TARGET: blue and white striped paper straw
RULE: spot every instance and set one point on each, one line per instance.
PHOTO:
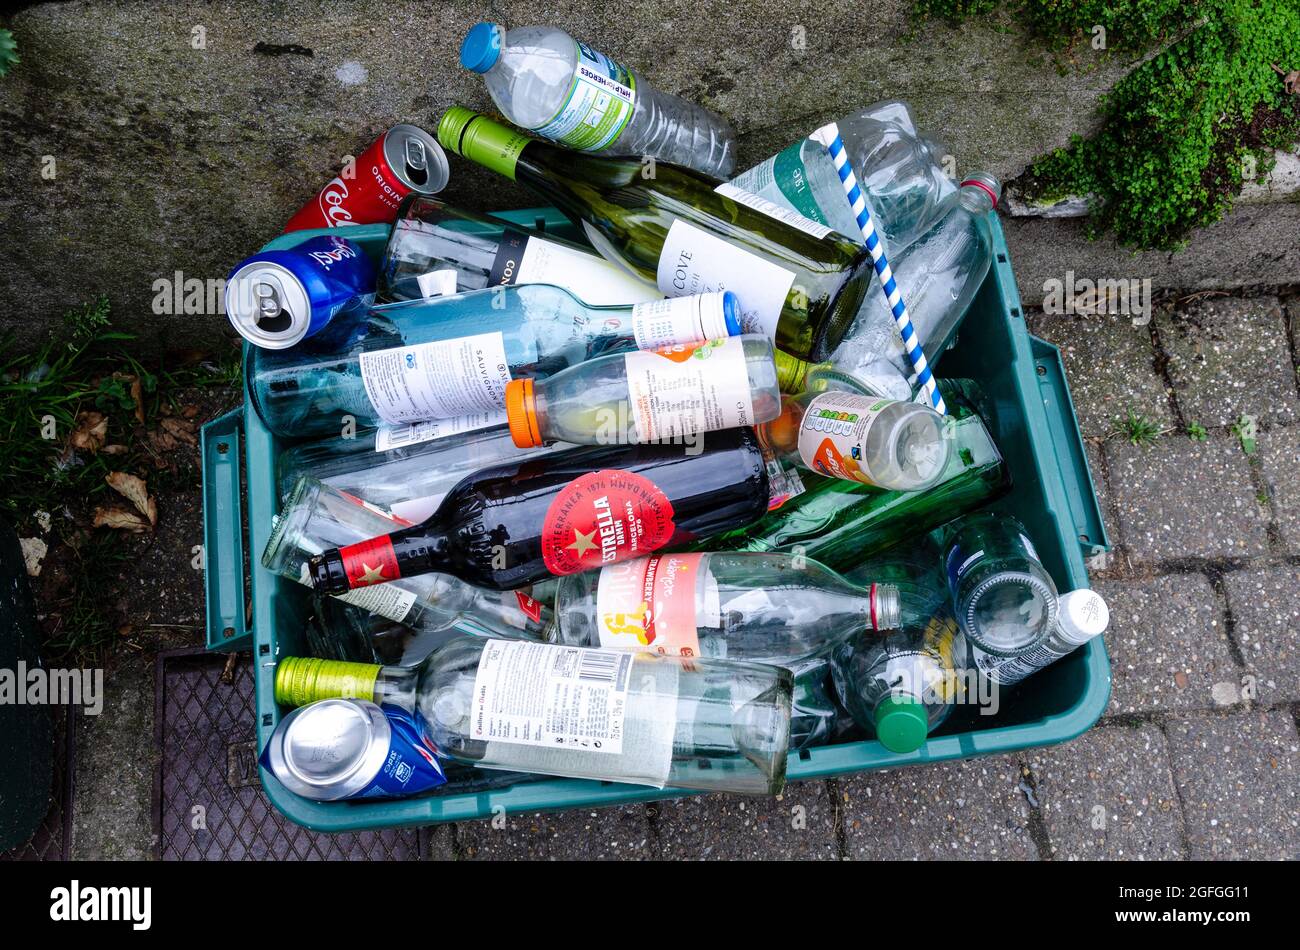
(829, 136)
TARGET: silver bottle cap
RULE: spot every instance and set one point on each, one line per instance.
(268, 305)
(1081, 615)
(330, 749)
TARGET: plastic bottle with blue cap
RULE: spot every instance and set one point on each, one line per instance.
(544, 80)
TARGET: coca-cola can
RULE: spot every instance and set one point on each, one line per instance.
(403, 160)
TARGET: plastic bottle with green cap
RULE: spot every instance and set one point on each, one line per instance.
(544, 80)
(901, 686)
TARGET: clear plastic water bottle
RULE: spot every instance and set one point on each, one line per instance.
(903, 685)
(544, 80)
(1082, 615)
(905, 187)
(938, 277)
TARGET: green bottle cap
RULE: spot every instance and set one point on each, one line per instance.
(476, 137)
(901, 723)
(303, 680)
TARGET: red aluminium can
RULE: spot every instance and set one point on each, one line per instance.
(404, 159)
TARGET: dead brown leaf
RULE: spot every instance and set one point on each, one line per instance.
(113, 450)
(180, 429)
(91, 431)
(134, 490)
(120, 519)
(1291, 82)
(190, 411)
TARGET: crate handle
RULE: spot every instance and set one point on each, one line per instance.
(1067, 443)
(223, 540)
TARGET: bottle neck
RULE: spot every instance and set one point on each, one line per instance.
(791, 372)
(419, 549)
(483, 141)
(881, 607)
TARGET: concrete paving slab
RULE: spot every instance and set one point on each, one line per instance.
(1265, 605)
(797, 825)
(600, 834)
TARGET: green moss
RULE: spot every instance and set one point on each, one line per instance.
(1179, 133)
(8, 51)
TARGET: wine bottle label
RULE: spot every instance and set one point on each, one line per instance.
(603, 517)
(599, 105)
(400, 437)
(693, 261)
(833, 434)
(773, 210)
(439, 380)
(558, 697)
(650, 604)
(371, 561)
(665, 322)
(676, 391)
(523, 259)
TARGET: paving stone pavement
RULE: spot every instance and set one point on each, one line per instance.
(1211, 343)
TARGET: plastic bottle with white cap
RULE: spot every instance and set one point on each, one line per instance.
(1081, 615)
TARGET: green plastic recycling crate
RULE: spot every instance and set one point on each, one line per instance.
(1032, 420)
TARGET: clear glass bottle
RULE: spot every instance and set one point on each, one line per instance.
(765, 608)
(544, 80)
(884, 443)
(898, 172)
(406, 470)
(318, 518)
(1002, 595)
(665, 395)
(436, 249)
(903, 685)
(447, 357)
(609, 715)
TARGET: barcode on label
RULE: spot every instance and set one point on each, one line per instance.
(600, 666)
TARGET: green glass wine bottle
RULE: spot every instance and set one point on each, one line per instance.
(841, 524)
(800, 283)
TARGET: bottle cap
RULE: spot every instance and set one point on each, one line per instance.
(521, 413)
(901, 723)
(730, 317)
(481, 47)
(1081, 615)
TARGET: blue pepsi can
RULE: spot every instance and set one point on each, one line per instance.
(276, 298)
(337, 749)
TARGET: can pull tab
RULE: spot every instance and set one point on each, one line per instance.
(267, 299)
(269, 304)
(417, 162)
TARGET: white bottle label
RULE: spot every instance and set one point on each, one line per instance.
(695, 262)
(589, 277)
(833, 434)
(599, 106)
(773, 210)
(558, 697)
(677, 391)
(399, 437)
(665, 322)
(417, 510)
(386, 600)
(439, 380)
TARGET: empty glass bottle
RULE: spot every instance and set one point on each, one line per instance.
(436, 249)
(901, 686)
(766, 608)
(544, 80)
(447, 357)
(610, 715)
(898, 172)
(318, 518)
(1002, 595)
(664, 395)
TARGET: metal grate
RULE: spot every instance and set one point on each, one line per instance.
(208, 800)
(52, 839)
